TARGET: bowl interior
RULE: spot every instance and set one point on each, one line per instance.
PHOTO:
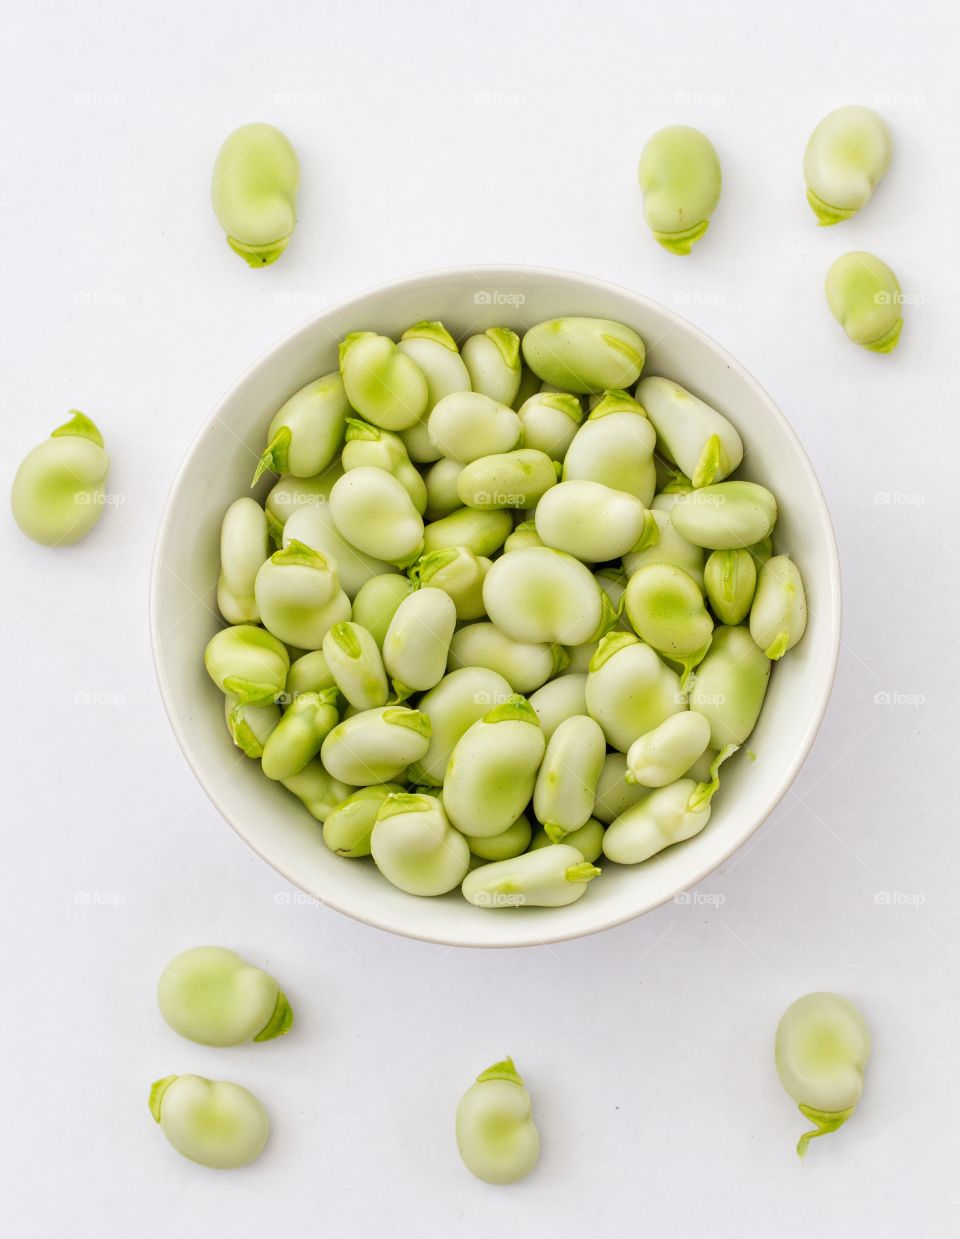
(217, 470)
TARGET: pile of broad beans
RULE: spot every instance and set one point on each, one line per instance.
(506, 610)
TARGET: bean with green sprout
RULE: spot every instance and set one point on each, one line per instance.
(821, 1051)
(58, 491)
(254, 193)
(865, 298)
(496, 1135)
(211, 995)
(846, 157)
(213, 1122)
(493, 361)
(680, 179)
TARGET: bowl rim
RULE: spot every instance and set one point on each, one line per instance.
(505, 273)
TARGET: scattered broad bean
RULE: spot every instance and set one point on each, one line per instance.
(250, 726)
(307, 431)
(434, 351)
(214, 997)
(461, 698)
(778, 617)
(666, 754)
(481, 532)
(588, 840)
(663, 817)
(367, 444)
(376, 603)
(374, 512)
(538, 594)
(704, 443)
(493, 768)
(415, 847)
(254, 192)
(525, 665)
(559, 699)
(417, 644)
(468, 425)
(726, 515)
(213, 1122)
(730, 685)
(566, 786)
(354, 660)
(865, 298)
(493, 360)
(846, 157)
(584, 355)
(58, 491)
(319, 791)
(297, 738)
(509, 843)
(375, 746)
(614, 446)
(244, 548)
(665, 545)
(299, 597)
(348, 827)
(441, 480)
(680, 179)
(525, 534)
(248, 662)
(666, 609)
(629, 690)
(546, 878)
(549, 422)
(313, 525)
(383, 384)
(614, 794)
(730, 580)
(496, 1135)
(591, 521)
(460, 573)
(822, 1048)
(517, 479)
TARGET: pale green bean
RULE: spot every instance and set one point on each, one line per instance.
(213, 1122)
(821, 1051)
(211, 995)
(254, 192)
(58, 492)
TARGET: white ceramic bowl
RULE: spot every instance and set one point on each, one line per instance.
(218, 468)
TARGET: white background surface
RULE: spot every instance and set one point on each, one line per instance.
(435, 134)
